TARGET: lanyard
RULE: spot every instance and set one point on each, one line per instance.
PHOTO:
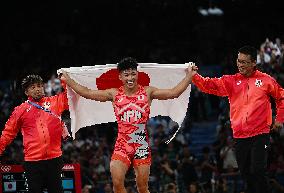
(65, 132)
(44, 109)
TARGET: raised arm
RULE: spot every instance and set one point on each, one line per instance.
(98, 95)
(61, 99)
(163, 94)
(208, 85)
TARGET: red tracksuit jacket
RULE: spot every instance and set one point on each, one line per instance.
(249, 98)
(41, 131)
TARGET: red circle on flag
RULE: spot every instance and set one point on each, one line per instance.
(110, 79)
(10, 186)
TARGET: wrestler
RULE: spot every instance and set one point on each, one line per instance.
(131, 103)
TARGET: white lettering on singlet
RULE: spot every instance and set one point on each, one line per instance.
(127, 115)
(139, 137)
(140, 97)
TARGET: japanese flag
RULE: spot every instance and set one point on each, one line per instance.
(9, 186)
(84, 112)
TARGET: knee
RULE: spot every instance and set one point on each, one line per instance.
(142, 186)
(118, 184)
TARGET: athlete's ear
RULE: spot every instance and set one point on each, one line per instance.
(119, 76)
(26, 92)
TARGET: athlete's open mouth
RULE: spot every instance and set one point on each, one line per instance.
(130, 83)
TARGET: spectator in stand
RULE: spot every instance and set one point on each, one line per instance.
(86, 189)
(208, 166)
(167, 173)
(108, 188)
(172, 152)
(228, 156)
(187, 163)
(197, 103)
(221, 186)
(263, 59)
(270, 58)
(171, 188)
(219, 144)
(193, 188)
(53, 86)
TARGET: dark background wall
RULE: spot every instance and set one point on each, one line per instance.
(42, 37)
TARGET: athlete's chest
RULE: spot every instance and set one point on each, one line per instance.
(131, 108)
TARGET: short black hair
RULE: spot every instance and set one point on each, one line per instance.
(31, 79)
(127, 63)
(249, 50)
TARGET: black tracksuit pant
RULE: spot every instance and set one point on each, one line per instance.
(252, 154)
(44, 174)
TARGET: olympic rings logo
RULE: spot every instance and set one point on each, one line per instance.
(6, 168)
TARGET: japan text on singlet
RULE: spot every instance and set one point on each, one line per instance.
(132, 113)
(131, 110)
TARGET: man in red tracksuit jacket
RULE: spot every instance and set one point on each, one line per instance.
(42, 134)
(249, 93)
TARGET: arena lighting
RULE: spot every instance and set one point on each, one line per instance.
(211, 11)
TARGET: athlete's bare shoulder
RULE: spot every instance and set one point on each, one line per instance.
(149, 88)
(112, 92)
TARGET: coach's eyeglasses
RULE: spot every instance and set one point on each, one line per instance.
(243, 62)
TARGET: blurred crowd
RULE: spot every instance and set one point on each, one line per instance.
(271, 60)
(174, 169)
